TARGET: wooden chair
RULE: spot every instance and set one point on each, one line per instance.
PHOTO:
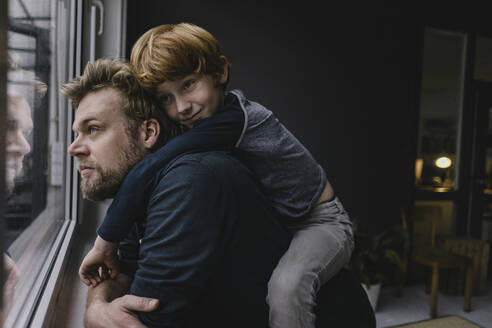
(432, 256)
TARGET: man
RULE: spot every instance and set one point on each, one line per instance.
(208, 234)
(208, 242)
(19, 125)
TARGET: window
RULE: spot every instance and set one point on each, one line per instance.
(483, 59)
(441, 104)
(483, 72)
(36, 215)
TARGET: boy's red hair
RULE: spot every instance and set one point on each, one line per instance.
(172, 51)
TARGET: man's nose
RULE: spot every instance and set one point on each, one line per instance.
(17, 143)
(78, 148)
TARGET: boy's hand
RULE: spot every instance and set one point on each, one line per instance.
(11, 276)
(100, 262)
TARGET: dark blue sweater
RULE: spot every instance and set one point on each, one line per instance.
(208, 247)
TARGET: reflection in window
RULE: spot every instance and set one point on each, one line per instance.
(440, 110)
(35, 144)
(483, 72)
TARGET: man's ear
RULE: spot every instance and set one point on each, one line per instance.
(223, 77)
(150, 131)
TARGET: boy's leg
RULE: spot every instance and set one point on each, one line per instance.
(321, 245)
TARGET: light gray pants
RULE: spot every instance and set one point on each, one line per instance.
(322, 244)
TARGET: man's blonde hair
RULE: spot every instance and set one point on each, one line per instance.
(138, 105)
(172, 51)
(25, 83)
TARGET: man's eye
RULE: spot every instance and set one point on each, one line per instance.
(92, 129)
(27, 133)
(11, 125)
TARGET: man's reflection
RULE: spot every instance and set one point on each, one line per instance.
(19, 125)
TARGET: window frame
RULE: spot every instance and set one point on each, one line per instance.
(465, 223)
(54, 281)
(3, 117)
(36, 306)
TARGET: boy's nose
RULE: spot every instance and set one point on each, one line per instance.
(183, 106)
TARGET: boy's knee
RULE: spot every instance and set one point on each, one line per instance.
(349, 245)
(348, 242)
(290, 287)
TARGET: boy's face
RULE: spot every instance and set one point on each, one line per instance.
(194, 97)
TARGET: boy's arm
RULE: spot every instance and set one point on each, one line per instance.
(108, 304)
(11, 276)
(103, 255)
(218, 132)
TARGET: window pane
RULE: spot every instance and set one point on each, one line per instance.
(483, 59)
(36, 143)
(441, 101)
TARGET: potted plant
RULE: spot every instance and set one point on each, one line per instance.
(378, 258)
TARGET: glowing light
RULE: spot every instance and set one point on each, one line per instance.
(419, 165)
(443, 162)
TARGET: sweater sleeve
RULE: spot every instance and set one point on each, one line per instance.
(218, 132)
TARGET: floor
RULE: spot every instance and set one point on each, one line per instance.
(414, 306)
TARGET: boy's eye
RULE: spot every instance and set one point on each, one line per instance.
(188, 84)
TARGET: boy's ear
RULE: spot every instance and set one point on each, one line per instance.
(150, 131)
(224, 77)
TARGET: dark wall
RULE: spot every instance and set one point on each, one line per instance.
(345, 85)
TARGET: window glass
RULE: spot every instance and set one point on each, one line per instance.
(483, 59)
(35, 146)
(441, 101)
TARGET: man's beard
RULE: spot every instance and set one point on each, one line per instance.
(14, 167)
(10, 185)
(104, 183)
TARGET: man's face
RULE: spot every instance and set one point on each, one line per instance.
(104, 148)
(19, 126)
(191, 98)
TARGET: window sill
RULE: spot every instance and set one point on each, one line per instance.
(37, 265)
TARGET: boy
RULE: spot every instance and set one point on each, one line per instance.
(183, 66)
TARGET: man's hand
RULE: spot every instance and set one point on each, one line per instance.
(109, 307)
(101, 261)
(12, 275)
(119, 313)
